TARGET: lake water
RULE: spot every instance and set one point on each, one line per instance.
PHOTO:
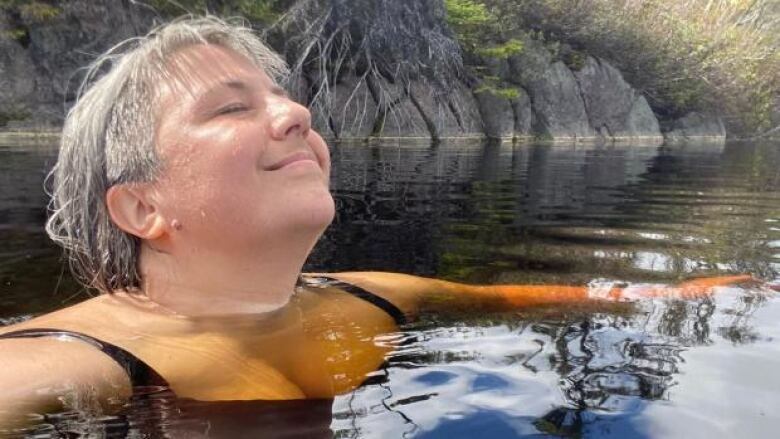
(486, 213)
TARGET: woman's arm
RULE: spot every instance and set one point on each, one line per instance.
(412, 294)
(39, 375)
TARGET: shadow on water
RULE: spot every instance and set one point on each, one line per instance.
(503, 214)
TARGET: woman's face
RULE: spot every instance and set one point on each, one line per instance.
(241, 165)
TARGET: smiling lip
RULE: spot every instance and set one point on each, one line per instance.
(293, 158)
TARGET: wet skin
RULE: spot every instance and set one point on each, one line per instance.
(323, 343)
(241, 199)
(242, 196)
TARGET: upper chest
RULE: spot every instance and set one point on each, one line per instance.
(323, 344)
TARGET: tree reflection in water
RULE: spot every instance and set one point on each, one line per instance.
(606, 361)
(501, 214)
(609, 359)
(609, 366)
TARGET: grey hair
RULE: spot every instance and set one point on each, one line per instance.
(108, 138)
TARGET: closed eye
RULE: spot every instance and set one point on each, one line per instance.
(237, 107)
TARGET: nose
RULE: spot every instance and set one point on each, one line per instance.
(287, 118)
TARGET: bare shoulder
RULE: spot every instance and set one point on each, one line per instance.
(50, 373)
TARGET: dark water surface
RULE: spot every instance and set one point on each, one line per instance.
(490, 214)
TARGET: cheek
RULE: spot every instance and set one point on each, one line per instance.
(320, 149)
(217, 156)
(205, 180)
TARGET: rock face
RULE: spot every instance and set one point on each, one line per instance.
(558, 105)
(453, 114)
(530, 64)
(399, 115)
(353, 109)
(418, 88)
(524, 115)
(641, 121)
(392, 66)
(463, 105)
(614, 108)
(497, 114)
(40, 73)
(360, 108)
(17, 84)
(695, 126)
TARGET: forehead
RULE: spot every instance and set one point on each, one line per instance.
(195, 74)
(195, 69)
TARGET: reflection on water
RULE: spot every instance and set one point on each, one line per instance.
(600, 375)
(529, 213)
(502, 214)
(157, 413)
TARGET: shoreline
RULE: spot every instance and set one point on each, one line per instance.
(53, 134)
(39, 139)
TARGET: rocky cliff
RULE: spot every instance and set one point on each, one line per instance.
(39, 70)
(381, 68)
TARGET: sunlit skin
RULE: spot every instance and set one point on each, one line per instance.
(240, 202)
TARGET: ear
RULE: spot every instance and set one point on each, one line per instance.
(132, 210)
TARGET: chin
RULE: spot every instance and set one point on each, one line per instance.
(319, 211)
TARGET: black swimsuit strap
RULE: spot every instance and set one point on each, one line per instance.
(378, 301)
(140, 373)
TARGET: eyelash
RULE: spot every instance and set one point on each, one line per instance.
(232, 108)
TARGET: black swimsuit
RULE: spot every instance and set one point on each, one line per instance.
(141, 374)
(368, 296)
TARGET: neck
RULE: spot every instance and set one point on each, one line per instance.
(206, 283)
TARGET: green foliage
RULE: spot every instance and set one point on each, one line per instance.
(256, 11)
(23, 14)
(30, 11)
(16, 33)
(37, 12)
(10, 4)
(574, 59)
(468, 19)
(178, 7)
(684, 55)
(466, 14)
(502, 51)
(481, 35)
(509, 93)
(480, 31)
(13, 114)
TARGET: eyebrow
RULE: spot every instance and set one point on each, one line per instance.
(279, 91)
(235, 84)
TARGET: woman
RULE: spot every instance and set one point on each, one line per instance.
(189, 190)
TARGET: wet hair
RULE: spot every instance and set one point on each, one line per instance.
(108, 138)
